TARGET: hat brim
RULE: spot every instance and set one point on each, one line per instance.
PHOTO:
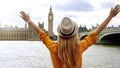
(66, 36)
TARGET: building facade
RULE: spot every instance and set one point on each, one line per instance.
(82, 29)
(15, 33)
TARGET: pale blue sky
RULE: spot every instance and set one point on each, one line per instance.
(83, 12)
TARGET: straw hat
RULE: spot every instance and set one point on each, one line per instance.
(67, 27)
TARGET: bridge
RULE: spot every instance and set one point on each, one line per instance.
(107, 36)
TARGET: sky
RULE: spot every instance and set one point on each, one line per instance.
(83, 12)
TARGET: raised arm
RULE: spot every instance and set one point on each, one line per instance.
(113, 12)
(26, 18)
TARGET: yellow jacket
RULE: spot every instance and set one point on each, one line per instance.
(52, 47)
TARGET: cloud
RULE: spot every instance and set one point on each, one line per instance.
(84, 12)
(107, 4)
(75, 5)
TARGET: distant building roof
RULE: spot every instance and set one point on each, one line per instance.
(82, 29)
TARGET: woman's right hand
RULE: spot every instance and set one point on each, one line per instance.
(25, 16)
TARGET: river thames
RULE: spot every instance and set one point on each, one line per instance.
(34, 54)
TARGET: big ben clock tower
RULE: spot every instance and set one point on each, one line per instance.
(50, 23)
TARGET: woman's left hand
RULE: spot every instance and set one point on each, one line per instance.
(114, 11)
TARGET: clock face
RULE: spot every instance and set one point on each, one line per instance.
(50, 17)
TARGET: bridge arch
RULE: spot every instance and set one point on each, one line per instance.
(82, 37)
(110, 38)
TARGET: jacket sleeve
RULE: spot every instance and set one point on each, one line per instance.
(88, 41)
(46, 40)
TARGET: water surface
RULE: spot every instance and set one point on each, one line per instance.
(33, 54)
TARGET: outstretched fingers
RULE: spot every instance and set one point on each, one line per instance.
(117, 8)
(21, 14)
(24, 16)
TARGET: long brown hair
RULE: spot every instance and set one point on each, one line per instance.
(68, 51)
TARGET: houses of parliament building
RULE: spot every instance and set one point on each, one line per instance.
(15, 33)
(26, 33)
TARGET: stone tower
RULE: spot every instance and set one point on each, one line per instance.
(50, 23)
(30, 32)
